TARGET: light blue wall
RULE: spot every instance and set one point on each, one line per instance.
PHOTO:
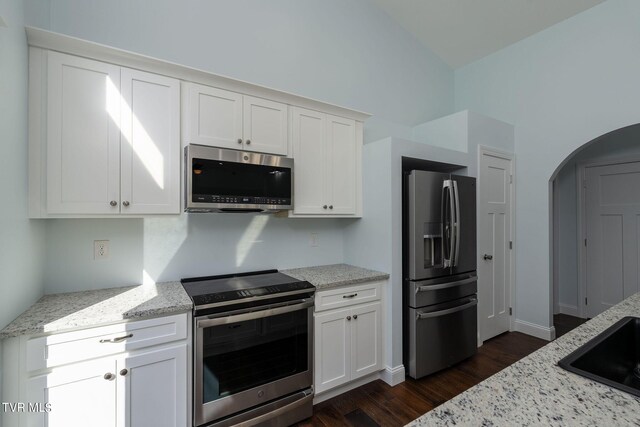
(343, 52)
(560, 88)
(21, 240)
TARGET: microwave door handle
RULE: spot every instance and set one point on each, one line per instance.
(456, 225)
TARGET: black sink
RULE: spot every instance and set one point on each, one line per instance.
(611, 358)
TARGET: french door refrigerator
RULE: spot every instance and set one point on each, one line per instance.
(440, 286)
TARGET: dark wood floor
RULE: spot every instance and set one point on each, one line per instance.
(378, 404)
(565, 323)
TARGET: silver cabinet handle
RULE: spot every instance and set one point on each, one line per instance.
(248, 141)
(125, 203)
(113, 203)
(350, 295)
(471, 303)
(109, 376)
(124, 372)
(487, 257)
(117, 339)
(239, 140)
(349, 318)
(355, 317)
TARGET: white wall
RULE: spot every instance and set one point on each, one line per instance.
(623, 143)
(561, 88)
(343, 52)
(21, 240)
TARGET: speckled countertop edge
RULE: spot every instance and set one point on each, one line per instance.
(75, 310)
(535, 391)
(335, 275)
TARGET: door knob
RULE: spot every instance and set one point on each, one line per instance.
(349, 318)
(355, 317)
(124, 372)
(125, 203)
(324, 207)
(113, 203)
(330, 206)
(248, 141)
(487, 257)
(109, 376)
(239, 140)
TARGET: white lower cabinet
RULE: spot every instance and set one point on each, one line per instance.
(138, 388)
(348, 340)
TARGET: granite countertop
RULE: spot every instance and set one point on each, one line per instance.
(61, 312)
(535, 391)
(335, 275)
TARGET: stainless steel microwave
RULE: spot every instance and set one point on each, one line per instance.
(221, 180)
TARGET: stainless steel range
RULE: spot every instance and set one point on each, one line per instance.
(253, 349)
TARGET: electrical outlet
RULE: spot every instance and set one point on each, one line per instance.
(313, 240)
(100, 249)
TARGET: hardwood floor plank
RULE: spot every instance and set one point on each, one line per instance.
(396, 406)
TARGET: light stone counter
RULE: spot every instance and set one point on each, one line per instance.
(335, 275)
(536, 392)
(68, 311)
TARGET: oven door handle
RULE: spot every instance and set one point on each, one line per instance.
(206, 322)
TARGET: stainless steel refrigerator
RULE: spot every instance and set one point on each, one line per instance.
(440, 286)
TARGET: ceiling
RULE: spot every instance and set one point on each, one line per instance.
(462, 31)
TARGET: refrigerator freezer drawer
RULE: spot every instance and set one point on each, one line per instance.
(436, 291)
(441, 336)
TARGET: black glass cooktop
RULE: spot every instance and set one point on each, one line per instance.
(232, 288)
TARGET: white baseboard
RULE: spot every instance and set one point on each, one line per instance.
(393, 376)
(534, 330)
(571, 310)
(325, 395)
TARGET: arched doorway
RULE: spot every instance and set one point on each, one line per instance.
(590, 274)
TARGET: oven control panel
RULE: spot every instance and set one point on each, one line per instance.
(274, 290)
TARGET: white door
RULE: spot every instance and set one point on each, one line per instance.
(265, 126)
(79, 395)
(612, 200)
(332, 349)
(83, 136)
(341, 172)
(366, 349)
(213, 117)
(309, 153)
(494, 231)
(153, 388)
(150, 151)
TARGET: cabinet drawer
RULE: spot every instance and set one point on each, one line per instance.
(71, 347)
(344, 297)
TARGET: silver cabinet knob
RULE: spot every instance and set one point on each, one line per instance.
(349, 318)
(330, 206)
(113, 203)
(109, 376)
(324, 207)
(355, 317)
(248, 141)
(487, 257)
(124, 372)
(239, 140)
(125, 203)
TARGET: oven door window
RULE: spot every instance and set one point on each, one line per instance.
(240, 356)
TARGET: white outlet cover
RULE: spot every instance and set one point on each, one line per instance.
(100, 249)
(313, 240)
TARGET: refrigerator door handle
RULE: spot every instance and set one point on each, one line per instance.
(447, 190)
(456, 225)
(471, 303)
(425, 288)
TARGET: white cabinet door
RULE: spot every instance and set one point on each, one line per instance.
(342, 171)
(332, 349)
(309, 153)
(366, 348)
(153, 388)
(265, 126)
(150, 152)
(79, 395)
(213, 117)
(83, 135)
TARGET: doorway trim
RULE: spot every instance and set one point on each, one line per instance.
(482, 150)
(581, 169)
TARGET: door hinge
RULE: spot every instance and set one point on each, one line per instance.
(510, 179)
(510, 311)
(510, 244)
(585, 242)
(585, 300)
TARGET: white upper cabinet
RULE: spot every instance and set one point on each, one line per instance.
(221, 118)
(327, 152)
(112, 139)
